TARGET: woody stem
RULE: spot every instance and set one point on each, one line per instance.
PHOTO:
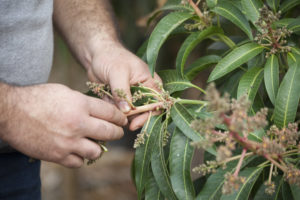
(145, 108)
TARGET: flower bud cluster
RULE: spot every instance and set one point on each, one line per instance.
(271, 147)
(204, 169)
(274, 38)
(232, 183)
(140, 139)
(99, 89)
(292, 175)
(270, 187)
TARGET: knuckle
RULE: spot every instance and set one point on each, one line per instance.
(93, 153)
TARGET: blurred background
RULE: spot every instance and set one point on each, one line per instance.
(109, 178)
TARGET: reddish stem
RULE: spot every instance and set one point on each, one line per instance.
(238, 167)
(196, 9)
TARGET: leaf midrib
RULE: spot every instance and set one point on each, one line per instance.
(288, 97)
(233, 17)
(248, 52)
(253, 81)
(140, 184)
(244, 185)
(163, 163)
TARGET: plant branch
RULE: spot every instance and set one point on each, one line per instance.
(196, 9)
(145, 108)
(238, 167)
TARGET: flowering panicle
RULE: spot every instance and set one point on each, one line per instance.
(276, 146)
(204, 169)
(273, 38)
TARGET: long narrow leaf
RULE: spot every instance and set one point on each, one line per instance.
(199, 65)
(143, 154)
(229, 11)
(245, 189)
(271, 77)
(295, 26)
(261, 193)
(151, 189)
(250, 83)
(288, 4)
(180, 164)
(183, 119)
(234, 59)
(274, 4)
(159, 167)
(190, 43)
(161, 32)
(251, 9)
(295, 191)
(173, 82)
(288, 94)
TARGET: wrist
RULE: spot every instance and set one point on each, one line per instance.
(8, 101)
(101, 48)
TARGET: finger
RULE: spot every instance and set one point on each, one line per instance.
(72, 161)
(98, 129)
(153, 82)
(86, 148)
(106, 111)
(108, 100)
(120, 87)
(91, 76)
(140, 120)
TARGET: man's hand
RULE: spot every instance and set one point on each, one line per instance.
(121, 69)
(90, 31)
(53, 123)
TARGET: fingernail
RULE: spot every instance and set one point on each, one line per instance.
(124, 107)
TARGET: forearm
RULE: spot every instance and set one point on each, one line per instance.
(86, 25)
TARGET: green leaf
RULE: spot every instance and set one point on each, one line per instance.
(180, 164)
(230, 85)
(199, 65)
(151, 189)
(283, 22)
(288, 95)
(257, 135)
(244, 191)
(251, 9)
(250, 83)
(271, 77)
(190, 43)
(274, 4)
(286, 191)
(211, 3)
(212, 190)
(159, 167)
(161, 32)
(173, 82)
(234, 59)
(229, 11)
(183, 119)
(261, 194)
(295, 191)
(143, 154)
(295, 26)
(288, 4)
(257, 61)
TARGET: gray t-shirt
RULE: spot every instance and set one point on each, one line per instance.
(26, 43)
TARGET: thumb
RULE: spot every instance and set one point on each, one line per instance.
(120, 88)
